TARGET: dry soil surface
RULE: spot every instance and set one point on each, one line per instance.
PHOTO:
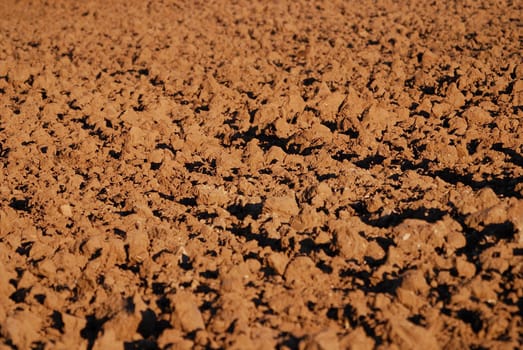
(261, 174)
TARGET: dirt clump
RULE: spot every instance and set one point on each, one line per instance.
(258, 175)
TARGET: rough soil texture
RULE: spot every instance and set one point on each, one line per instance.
(259, 175)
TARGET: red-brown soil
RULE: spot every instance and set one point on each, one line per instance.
(259, 175)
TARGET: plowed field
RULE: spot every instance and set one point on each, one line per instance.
(261, 174)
